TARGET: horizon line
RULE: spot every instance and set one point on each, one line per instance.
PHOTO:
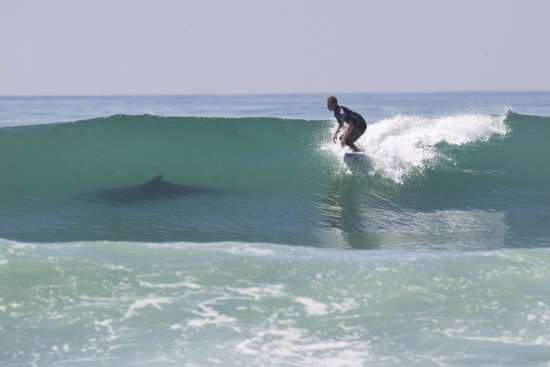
(251, 94)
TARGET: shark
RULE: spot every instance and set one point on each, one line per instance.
(154, 189)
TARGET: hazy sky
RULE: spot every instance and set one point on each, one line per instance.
(279, 46)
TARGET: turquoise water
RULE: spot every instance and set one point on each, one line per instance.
(433, 253)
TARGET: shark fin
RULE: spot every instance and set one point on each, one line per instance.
(155, 180)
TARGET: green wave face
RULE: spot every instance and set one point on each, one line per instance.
(231, 154)
(470, 181)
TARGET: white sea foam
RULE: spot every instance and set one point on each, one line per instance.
(507, 339)
(234, 248)
(152, 301)
(260, 292)
(242, 249)
(209, 316)
(345, 306)
(404, 144)
(312, 306)
(185, 284)
(299, 347)
(116, 267)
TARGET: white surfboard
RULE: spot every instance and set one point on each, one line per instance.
(358, 162)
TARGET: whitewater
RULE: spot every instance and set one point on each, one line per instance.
(434, 254)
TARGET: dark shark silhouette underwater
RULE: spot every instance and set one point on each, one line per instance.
(154, 189)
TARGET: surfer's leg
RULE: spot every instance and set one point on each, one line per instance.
(353, 146)
(352, 138)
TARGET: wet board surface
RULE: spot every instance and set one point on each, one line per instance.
(358, 162)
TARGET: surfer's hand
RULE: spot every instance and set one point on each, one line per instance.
(334, 137)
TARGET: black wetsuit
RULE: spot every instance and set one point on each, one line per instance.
(345, 115)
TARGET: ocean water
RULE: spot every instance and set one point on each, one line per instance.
(265, 248)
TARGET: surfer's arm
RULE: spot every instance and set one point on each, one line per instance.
(335, 135)
(338, 128)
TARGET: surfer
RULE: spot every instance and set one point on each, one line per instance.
(356, 124)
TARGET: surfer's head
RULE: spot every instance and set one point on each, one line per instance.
(332, 103)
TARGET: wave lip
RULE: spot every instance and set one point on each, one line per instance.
(404, 144)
